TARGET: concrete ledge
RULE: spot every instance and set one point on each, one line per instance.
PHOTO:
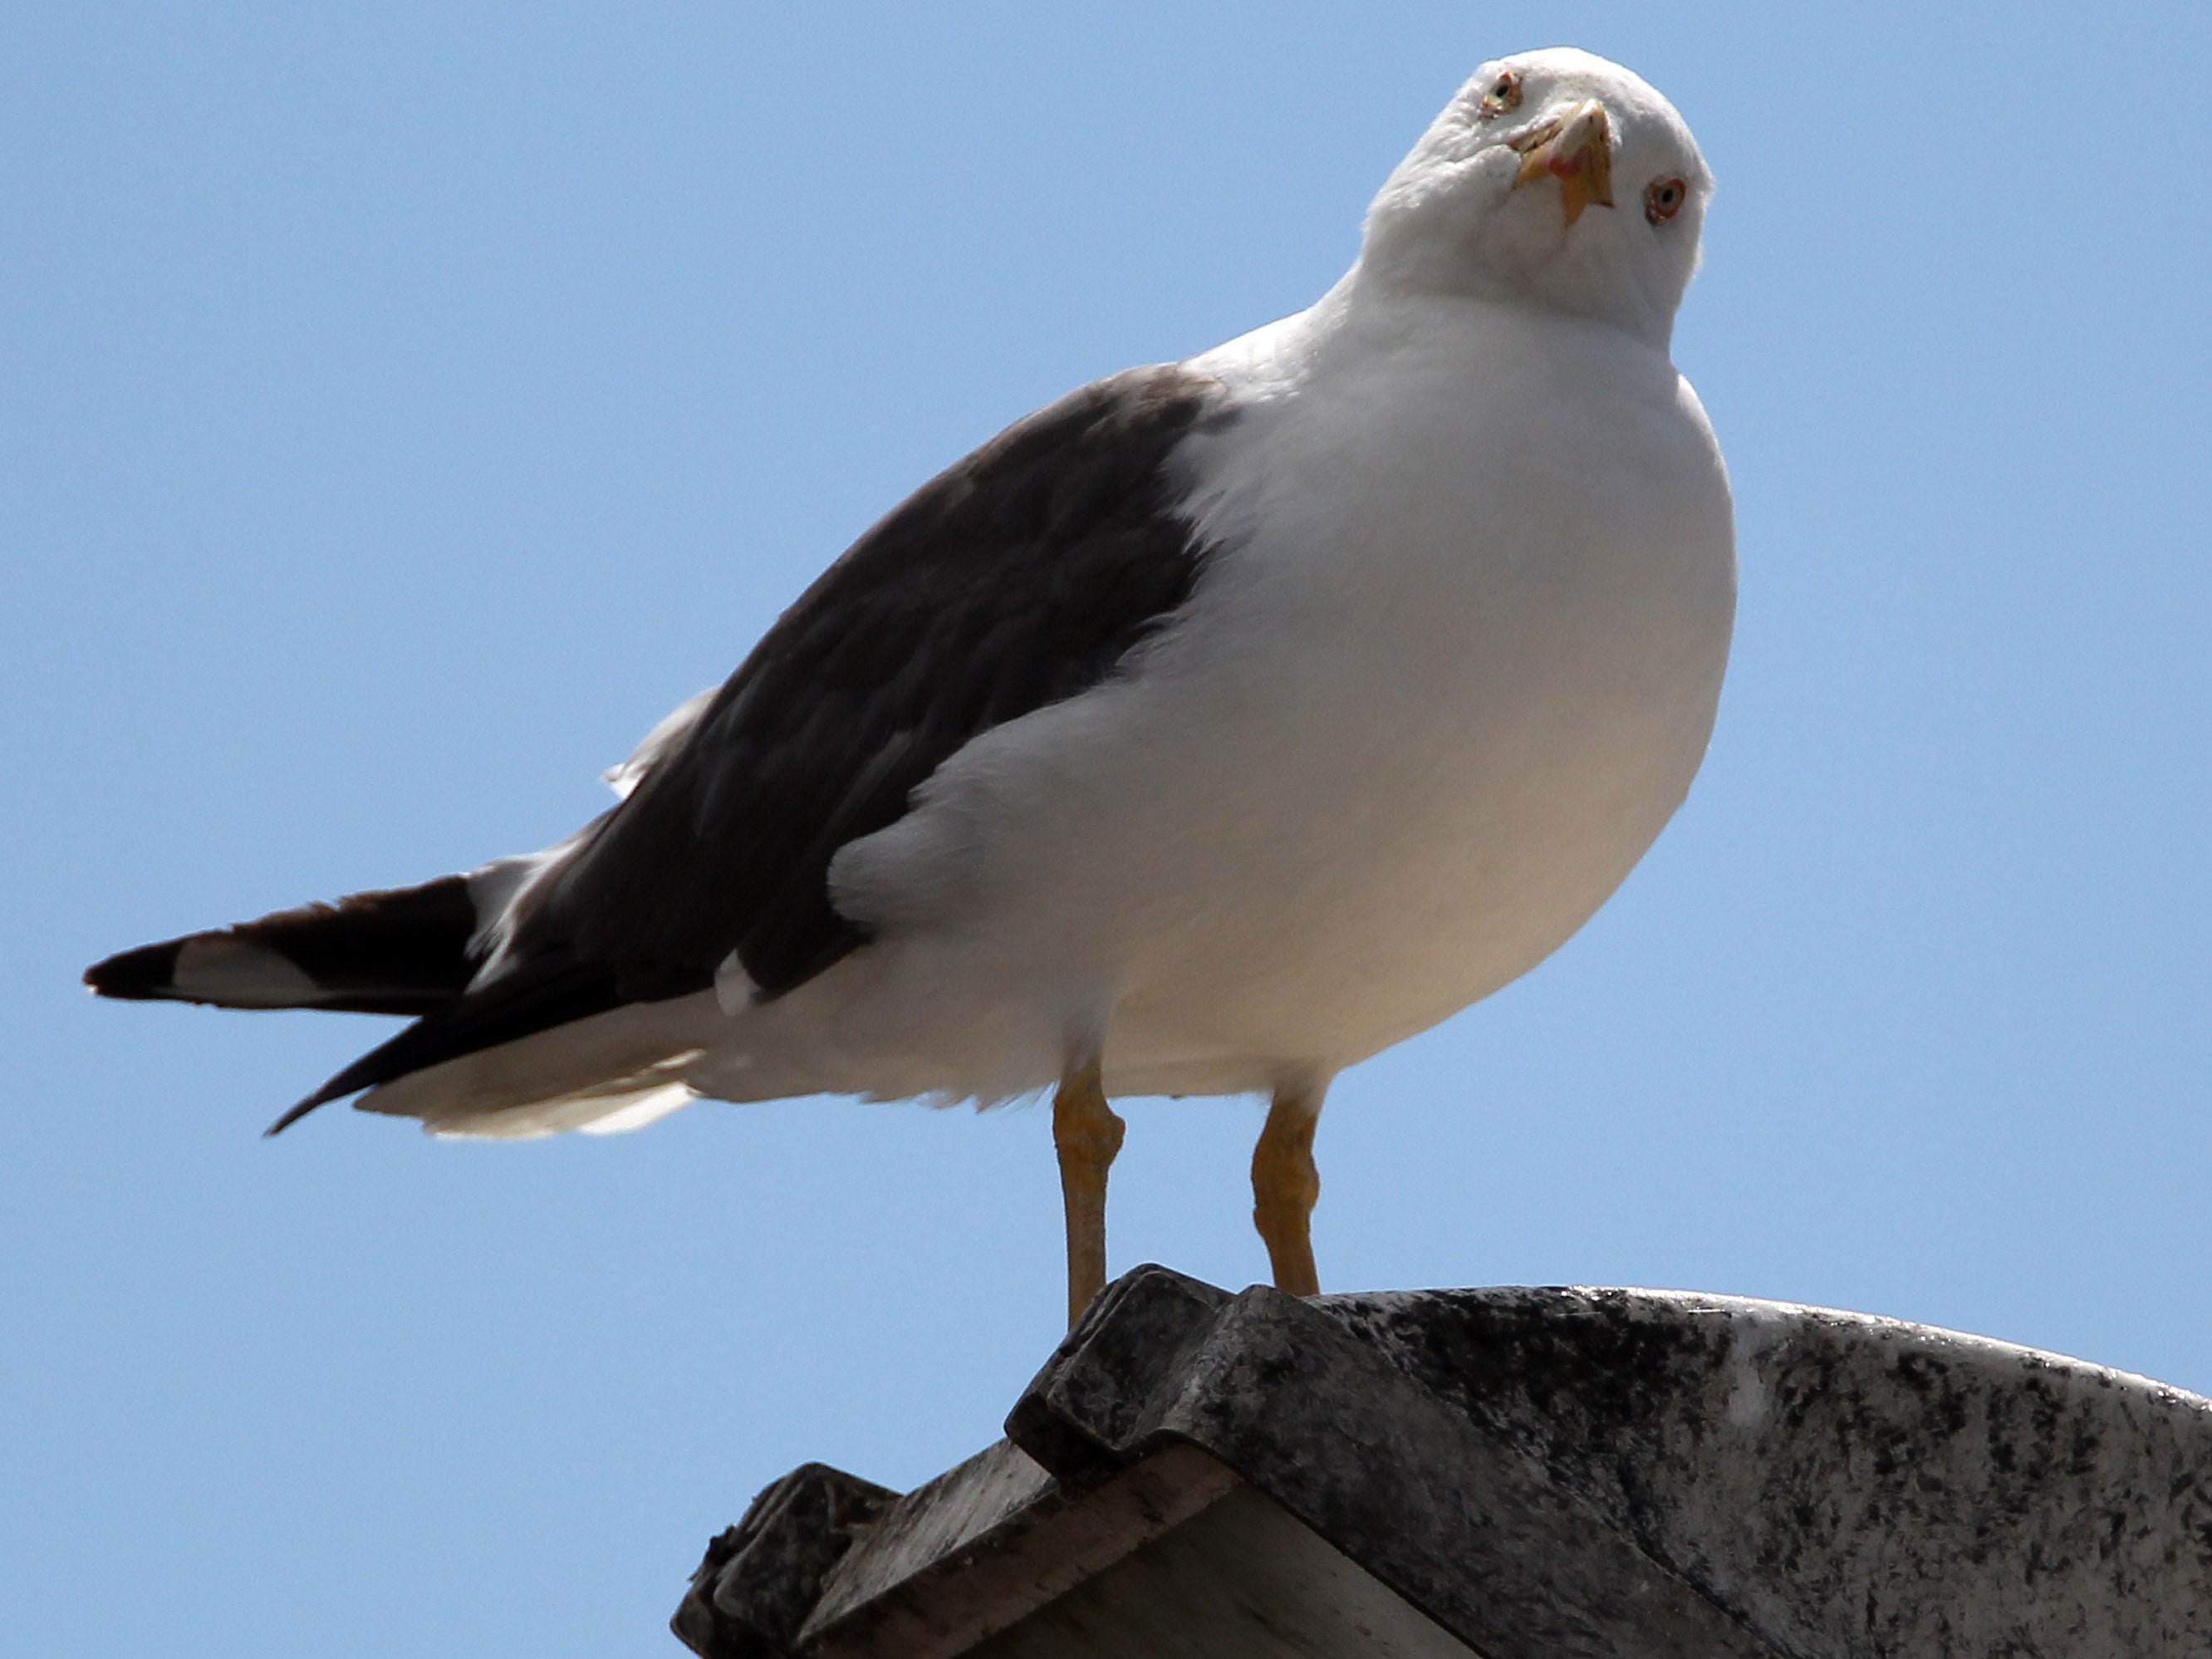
(1505, 1472)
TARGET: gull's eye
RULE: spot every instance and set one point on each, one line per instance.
(1504, 93)
(1663, 199)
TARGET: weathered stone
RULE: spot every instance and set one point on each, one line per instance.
(1508, 1473)
(760, 1579)
(1847, 1485)
(1395, 1478)
(980, 1550)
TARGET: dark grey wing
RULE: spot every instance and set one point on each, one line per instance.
(1017, 579)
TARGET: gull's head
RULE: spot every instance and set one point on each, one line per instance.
(1553, 179)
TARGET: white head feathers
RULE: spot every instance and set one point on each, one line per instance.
(1555, 178)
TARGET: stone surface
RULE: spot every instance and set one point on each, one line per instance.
(761, 1578)
(1243, 1578)
(1487, 1545)
(1506, 1473)
(1845, 1486)
(976, 1552)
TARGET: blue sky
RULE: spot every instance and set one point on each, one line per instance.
(406, 404)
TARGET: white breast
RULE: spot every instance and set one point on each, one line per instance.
(1453, 668)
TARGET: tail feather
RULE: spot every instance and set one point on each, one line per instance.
(404, 951)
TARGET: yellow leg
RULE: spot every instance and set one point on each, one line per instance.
(1285, 1184)
(1087, 1135)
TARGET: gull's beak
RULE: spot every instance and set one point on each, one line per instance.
(1577, 149)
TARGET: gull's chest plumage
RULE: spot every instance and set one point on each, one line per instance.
(1460, 666)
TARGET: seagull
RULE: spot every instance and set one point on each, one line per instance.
(1205, 732)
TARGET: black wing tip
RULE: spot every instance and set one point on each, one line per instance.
(294, 1114)
(148, 973)
(350, 1081)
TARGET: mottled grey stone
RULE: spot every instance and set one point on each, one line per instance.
(1513, 1473)
(761, 1578)
(1483, 1542)
(1847, 1485)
